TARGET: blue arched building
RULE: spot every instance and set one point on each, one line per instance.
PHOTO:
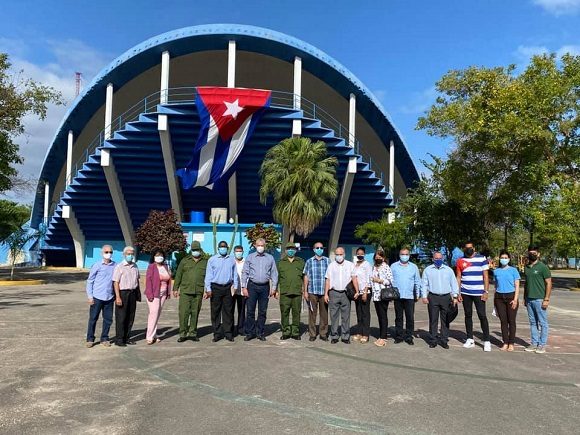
(114, 156)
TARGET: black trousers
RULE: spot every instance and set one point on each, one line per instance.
(439, 306)
(125, 315)
(363, 315)
(507, 316)
(239, 305)
(406, 306)
(382, 308)
(468, 302)
(222, 304)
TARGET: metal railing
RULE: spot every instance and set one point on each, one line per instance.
(187, 95)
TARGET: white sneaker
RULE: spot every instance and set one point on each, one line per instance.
(487, 346)
(469, 343)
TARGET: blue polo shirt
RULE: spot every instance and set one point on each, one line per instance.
(100, 281)
(505, 279)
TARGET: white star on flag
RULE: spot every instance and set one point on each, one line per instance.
(233, 109)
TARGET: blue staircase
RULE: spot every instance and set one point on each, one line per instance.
(138, 160)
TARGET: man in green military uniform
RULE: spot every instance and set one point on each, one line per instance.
(188, 287)
(290, 290)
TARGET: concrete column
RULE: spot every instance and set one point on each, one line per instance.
(121, 208)
(108, 111)
(169, 160)
(76, 233)
(69, 151)
(391, 216)
(163, 89)
(232, 182)
(46, 202)
(347, 182)
(297, 123)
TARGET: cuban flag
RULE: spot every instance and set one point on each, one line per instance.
(228, 117)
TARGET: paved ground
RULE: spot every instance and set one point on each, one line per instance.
(51, 384)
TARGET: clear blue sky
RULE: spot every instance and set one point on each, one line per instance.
(398, 48)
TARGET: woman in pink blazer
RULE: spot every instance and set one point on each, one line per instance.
(157, 290)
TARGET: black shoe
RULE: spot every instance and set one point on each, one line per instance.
(334, 341)
(120, 344)
(131, 342)
(323, 338)
(444, 345)
(285, 337)
(230, 338)
(261, 338)
(249, 337)
(296, 337)
(398, 340)
(216, 339)
(312, 339)
(193, 339)
(181, 339)
(345, 341)
(410, 342)
(432, 345)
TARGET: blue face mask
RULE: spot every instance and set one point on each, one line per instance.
(318, 251)
(223, 250)
(504, 261)
(404, 258)
(438, 262)
(291, 252)
(129, 258)
(239, 255)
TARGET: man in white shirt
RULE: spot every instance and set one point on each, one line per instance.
(239, 298)
(338, 275)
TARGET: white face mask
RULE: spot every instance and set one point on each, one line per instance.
(107, 256)
(339, 258)
(159, 259)
(260, 249)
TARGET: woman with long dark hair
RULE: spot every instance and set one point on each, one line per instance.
(381, 276)
(507, 290)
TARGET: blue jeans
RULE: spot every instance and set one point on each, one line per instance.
(94, 311)
(257, 294)
(538, 322)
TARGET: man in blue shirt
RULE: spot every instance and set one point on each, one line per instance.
(314, 280)
(440, 291)
(406, 278)
(101, 296)
(221, 277)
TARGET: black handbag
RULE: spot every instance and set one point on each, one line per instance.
(350, 291)
(389, 293)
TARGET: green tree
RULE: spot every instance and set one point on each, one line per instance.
(161, 230)
(18, 97)
(16, 242)
(12, 217)
(390, 236)
(301, 179)
(516, 137)
(266, 232)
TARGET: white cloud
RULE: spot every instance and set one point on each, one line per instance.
(67, 57)
(568, 49)
(419, 101)
(524, 53)
(559, 7)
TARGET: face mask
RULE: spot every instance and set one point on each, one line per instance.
(223, 250)
(318, 251)
(129, 258)
(360, 257)
(291, 252)
(239, 255)
(379, 261)
(195, 254)
(504, 261)
(159, 259)
(532, 257)
(404, 258)
(438, 262)
(339, 258)
(469, 251)
(107, 256)
(260, 249)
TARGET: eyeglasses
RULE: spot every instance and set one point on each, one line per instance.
(108, 252)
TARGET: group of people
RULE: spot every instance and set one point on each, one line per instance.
(237, 285)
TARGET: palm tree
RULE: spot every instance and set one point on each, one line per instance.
(301, 178)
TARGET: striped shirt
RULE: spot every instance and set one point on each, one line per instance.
(315, 270)
(472, 274)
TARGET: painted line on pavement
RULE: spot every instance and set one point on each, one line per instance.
(444, 372)
(254, 401)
